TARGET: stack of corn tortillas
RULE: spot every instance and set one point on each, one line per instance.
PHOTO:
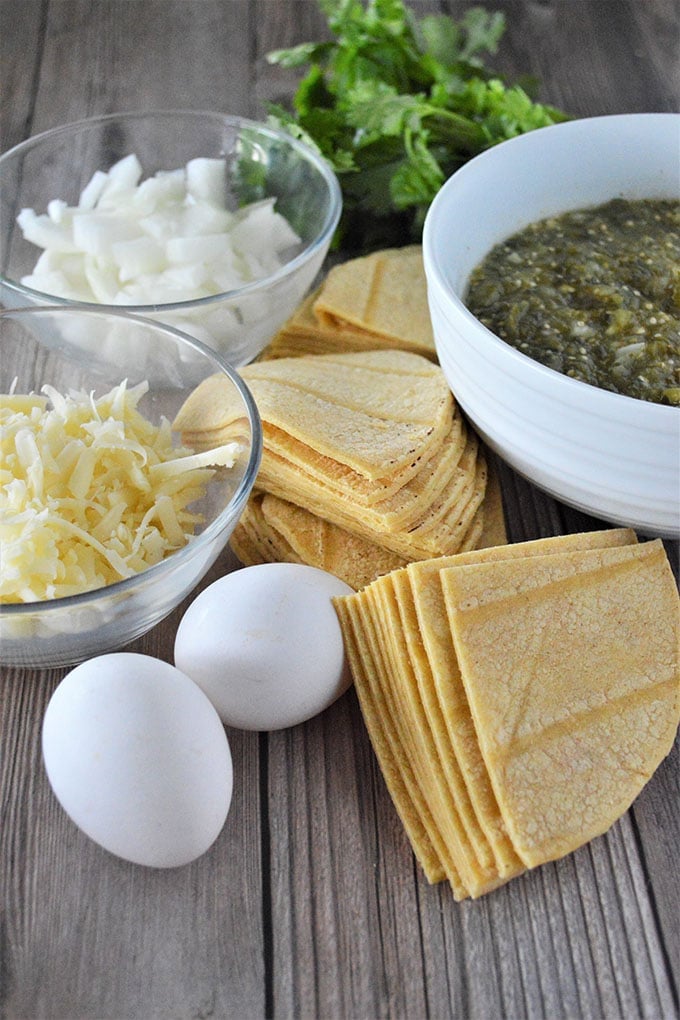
(373, 302)
(372, 452)
(273, 530)
(517, 698)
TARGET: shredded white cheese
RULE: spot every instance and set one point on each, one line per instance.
(91, 491)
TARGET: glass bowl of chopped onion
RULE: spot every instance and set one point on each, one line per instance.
(109, 515)
(211, 223)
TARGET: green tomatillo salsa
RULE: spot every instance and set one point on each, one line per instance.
(594, 294)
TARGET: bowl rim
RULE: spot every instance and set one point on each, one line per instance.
(663, 412)
(233, 507)
(314, 157)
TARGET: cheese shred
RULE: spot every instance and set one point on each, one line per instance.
(91, 491)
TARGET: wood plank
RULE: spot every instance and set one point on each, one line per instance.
(655, 818)
(20, 67)
(327, 877)
(310, 903)
(156, 54)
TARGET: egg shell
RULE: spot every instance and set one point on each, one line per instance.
(265, 644)
(138, 758)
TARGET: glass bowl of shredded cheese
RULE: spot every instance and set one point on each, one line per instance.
(214, 224)
(108, 516)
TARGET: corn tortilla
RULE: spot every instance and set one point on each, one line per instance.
(384, 293)
(604, 681)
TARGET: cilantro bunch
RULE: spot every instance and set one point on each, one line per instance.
(397, 103)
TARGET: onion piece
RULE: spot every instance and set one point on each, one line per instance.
(162, 240)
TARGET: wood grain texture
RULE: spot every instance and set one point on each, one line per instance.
(310, 904)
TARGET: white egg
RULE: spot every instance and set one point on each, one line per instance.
(138, 757)
(265, 644)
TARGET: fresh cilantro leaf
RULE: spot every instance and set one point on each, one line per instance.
(397, 103)
(419, 177)
(375, 109)
(297, 56)
(482, 30)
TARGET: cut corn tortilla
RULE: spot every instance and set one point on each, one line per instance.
(247, 540)
(450, 471)
(459, 503)
(255, 540)
(281, 531)
(440, 749)
(564, 579)
(319, 543)
(393, 385)
(412, 523)
(384, 293)
(494, 531)
(571, 719)
(369, 631)
(292, 342)
(350, 484)
(360, 663)
(390, 767)
(274, 530)
(304, 334)
(287, 483)
(304, 325)
(472, 538)
(373, 443)
(446, 700)
(400, 689)
(251, 548)
(410, 694)
(396, 406)
(359, 443)
(213, 407)
(402, 786)
(362, 440)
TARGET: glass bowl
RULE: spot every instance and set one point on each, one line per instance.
(36, 349)
(260, 163)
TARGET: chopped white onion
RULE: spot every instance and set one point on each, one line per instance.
(96, 233)
(43, 232)
(165, 239)
(91, 193)
(207, 181)
(137, 256)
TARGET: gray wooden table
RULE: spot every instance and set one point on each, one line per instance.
(310, 904)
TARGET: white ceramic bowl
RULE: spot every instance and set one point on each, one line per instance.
(36, 348)
(612, 456)
(261, 162)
